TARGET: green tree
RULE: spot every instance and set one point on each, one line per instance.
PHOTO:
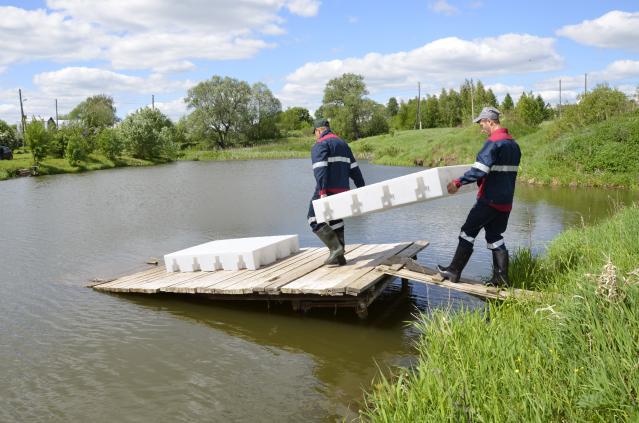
(392, 107)
(264, 110)
(77, 149)
(295, 118)
(222, 105)
(37, 139)
(490, 99)
(95, 113)
(8, 136)
(373, 119)
(110, 143)
(529, 110)
(60, 138)
(148, 134)
(507, 104)
(430, 115)
(343, 104)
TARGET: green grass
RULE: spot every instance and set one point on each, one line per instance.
(572, 357)
(288, 148)
(602, 154)
(51, 166)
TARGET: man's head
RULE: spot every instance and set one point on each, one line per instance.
(488, 119)
(319, 126)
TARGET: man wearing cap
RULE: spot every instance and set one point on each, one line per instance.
(495, 171)
(333, 166)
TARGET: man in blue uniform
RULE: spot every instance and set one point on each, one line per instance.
(495, 171)
(333, 166)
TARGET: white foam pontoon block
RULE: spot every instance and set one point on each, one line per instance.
(232, 254)
(420, 186)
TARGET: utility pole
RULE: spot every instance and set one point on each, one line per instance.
(153, 101)
(560, 98)
(419, 104)
(23, 120)
(472, 101)
(585, 83)
(56, 114)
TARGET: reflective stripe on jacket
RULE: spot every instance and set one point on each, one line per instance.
(334, 164)
(495, 170)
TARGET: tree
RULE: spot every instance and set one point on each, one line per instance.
(222, 105)
(373, 120)
(490, 99)
(110, 143)
(95, 113)
(529, 109)
(148, 134)
(77, 149)
(508, 103)
(430, 117)
(38, 139)
(264, 110)
(295, 118)
(60, 139)
(343, 104)
(392, 107)
(8, 136)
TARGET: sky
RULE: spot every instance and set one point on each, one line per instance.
(135, 49)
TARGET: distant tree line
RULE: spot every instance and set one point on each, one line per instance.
(226, 112)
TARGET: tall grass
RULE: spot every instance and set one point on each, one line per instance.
(572, 357)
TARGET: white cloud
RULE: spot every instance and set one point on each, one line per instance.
(35, 34)
(615, 29)
(619, 70)
(444, 61)
(174, 109)
(303, 7)
(144, 34)
(82, 82)
(159, 50)
(443, 7)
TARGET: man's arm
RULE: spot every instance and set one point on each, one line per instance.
(479, 169)
(355, 172)
(319, 157)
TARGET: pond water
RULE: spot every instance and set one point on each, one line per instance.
(68, 353)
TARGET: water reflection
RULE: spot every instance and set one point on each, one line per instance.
(67, 352)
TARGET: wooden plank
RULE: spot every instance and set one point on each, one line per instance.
(123, 279)
(274, 285)
(212, 278)
(365, 281)
(248, 283)
(340, 287)
(469, 288)
(312, 280)
(120, 284)
(154, 286)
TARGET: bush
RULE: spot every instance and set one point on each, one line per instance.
(60, 139)
(77, 149)
(110, 143)
(600, 104)
(37, 138)
(143, 136)
(8, 136)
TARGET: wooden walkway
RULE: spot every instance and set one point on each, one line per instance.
(303, 279)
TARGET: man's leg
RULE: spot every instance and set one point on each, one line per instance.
(478, 216)
(327, 235)
(495, 242)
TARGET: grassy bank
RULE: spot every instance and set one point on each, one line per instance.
(52, 166)
(601, 154)
(573, 357)
(288, 148)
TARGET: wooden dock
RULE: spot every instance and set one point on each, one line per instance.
(301, 279)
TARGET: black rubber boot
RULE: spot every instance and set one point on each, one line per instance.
(340, 236)
(460, 259)
(331, 240)
(500, 269)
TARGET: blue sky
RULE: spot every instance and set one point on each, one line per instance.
(133, 49)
